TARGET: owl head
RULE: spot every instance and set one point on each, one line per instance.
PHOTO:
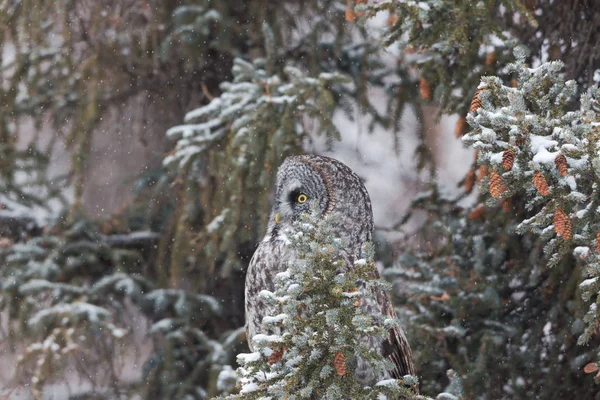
(329, 186)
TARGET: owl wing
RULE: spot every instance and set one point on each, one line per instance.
(395, 347)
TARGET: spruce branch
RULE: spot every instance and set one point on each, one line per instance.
(555, 151)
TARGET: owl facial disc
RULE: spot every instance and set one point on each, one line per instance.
(310, 183)
(299, 187)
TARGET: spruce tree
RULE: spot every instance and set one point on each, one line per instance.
(493, 285)
(505, 288)
(321, 326)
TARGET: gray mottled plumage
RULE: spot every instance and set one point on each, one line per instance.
(336, 189)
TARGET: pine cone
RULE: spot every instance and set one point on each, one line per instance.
(275, 356)
(477, 212)
(590, 368)
(425, 88)
(350, 14)
(490, 58)
(539, 180)
(461, 127)
(392, 19)
(482, 172)
(508, 159)
(6, 242)
(507, 205)
(561, 165)
(496, 186)
(444, 297)
(339, 362)
(555, 53)
(598, 241)
(562, 224)
(476, 102)
(531, 5)
(470, 180)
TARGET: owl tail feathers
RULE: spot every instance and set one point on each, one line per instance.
(397, 350)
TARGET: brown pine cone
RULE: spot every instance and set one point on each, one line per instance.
(562, 224)
(470, 180)
(496, 186)
(425, 88)
(531, 5)
(590, 368)
(539, 180)
(350, 14)
(477, 213)
(275, 356)
(561, 165)
(392, 19)
(339, 362)
(476, 101)
(508, 159)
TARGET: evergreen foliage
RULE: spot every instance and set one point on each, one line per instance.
(72, 295)
(501, 289)
(320, 331)
(66, 295)
(532, 122)
(494, 286)
(191, 355)
(255, 112)
(454, 43)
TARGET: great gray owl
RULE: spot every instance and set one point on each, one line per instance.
(334, 188)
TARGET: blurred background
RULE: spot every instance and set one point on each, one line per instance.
(139, 141)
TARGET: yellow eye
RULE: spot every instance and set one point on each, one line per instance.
(302, 198)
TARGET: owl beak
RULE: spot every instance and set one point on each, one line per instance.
(277, 218)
